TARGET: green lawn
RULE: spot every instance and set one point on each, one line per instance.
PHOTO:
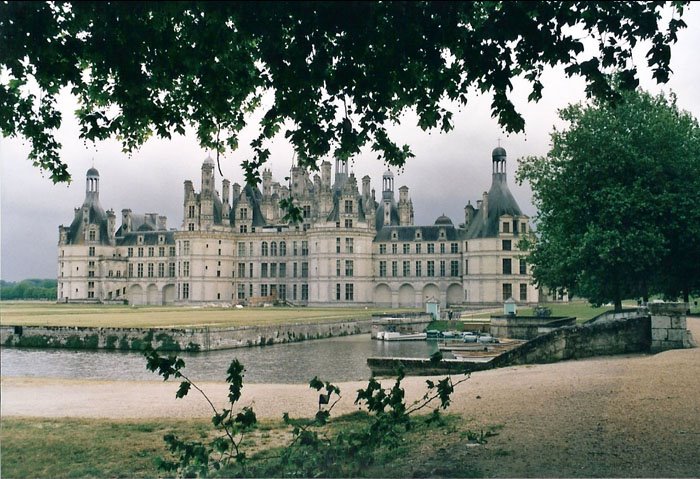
(51, 314)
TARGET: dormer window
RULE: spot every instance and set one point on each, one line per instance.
(506, 227)
(442, 233)
(161, 239)
(243, 213)
(139, 239)
(348, 206)
(92, 235)
(418, 234)
(394, 235)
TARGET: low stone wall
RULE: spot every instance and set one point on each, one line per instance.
(175, 339)
(622, 336)
(423, 366)
(526, 327)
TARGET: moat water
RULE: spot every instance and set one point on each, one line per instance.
(333, 359)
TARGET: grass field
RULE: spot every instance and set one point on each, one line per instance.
(75, 448)
(51, 314)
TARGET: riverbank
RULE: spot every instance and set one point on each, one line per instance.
(636, 415)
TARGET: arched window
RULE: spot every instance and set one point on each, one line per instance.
(283, 248)
(273, 248)
(263, 249)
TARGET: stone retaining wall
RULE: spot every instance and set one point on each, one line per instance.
(175, 339)
(526, 327)
(668, 327)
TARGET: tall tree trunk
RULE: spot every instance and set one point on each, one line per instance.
(618, 305)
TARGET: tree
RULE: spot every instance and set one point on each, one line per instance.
(617, 197)
(338, 71)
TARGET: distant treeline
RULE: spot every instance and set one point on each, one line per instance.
(28, 289)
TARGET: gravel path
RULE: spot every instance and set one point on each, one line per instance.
(636, 415)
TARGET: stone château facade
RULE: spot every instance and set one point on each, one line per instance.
(350, 248)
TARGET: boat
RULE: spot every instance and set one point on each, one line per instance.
(393, 336)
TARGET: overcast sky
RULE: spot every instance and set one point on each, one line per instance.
(448, 170)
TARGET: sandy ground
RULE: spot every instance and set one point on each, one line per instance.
(636, 415)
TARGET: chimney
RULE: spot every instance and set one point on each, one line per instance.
(485, 205)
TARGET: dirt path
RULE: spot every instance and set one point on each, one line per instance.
(616, 416)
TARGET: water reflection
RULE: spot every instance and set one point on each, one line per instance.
(334, 359)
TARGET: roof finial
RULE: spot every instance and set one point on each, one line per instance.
(499, 141)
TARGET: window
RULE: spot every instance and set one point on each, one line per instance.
(337, 292)
(349, 266)
(305, 270)
(161, 251)
(523, 227)
(185, 290)
(190, 227)
(295, 270)
(171, 251)
(92, 235)
(466, 267)
(406, 248)
(337, 267)
(454, 268)
(263, 290)
(431, 248)
(263, 270)
(219, 252)
(243, 228)
(264, 249)
(294, 248)
(241, 248)
(241, 270)
(442, 248)
(507, 266)
(91, 294)
(161, 270)
(506, 227)
(130, 270)
(382, 249)
(419, 268)
(243, 213)
(91, 251)
(382, 269)
(304, 292)
(151, 251)
(394, 268)
(273, 248)
(506, 245)
(283, 270)
(139, 270)
(418, 248)
(306, 210)
(348, 206)
(273, 270)
(91, 284)
(406, 268)
(190, 211)
(283, 248)
(171, 270)
(241, 291)
(523, 292)
(454, 247)
(507, 291)
(442, 268)
(150, 270)
(349, 292)
(161, 239)
(431, 268)
(337, 245)
(130, 252)
(185, 268)
(91, 274)
(523, 266)
(348, 223)
(139, 239)
(394, 248)
(305, 248)
(250, 272)
(349, 247)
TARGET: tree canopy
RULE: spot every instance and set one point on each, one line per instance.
(618, 197)
(338, 72)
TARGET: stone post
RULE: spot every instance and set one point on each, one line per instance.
(668, 327)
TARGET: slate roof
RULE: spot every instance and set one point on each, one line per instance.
(428, 233)
(500, 202)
